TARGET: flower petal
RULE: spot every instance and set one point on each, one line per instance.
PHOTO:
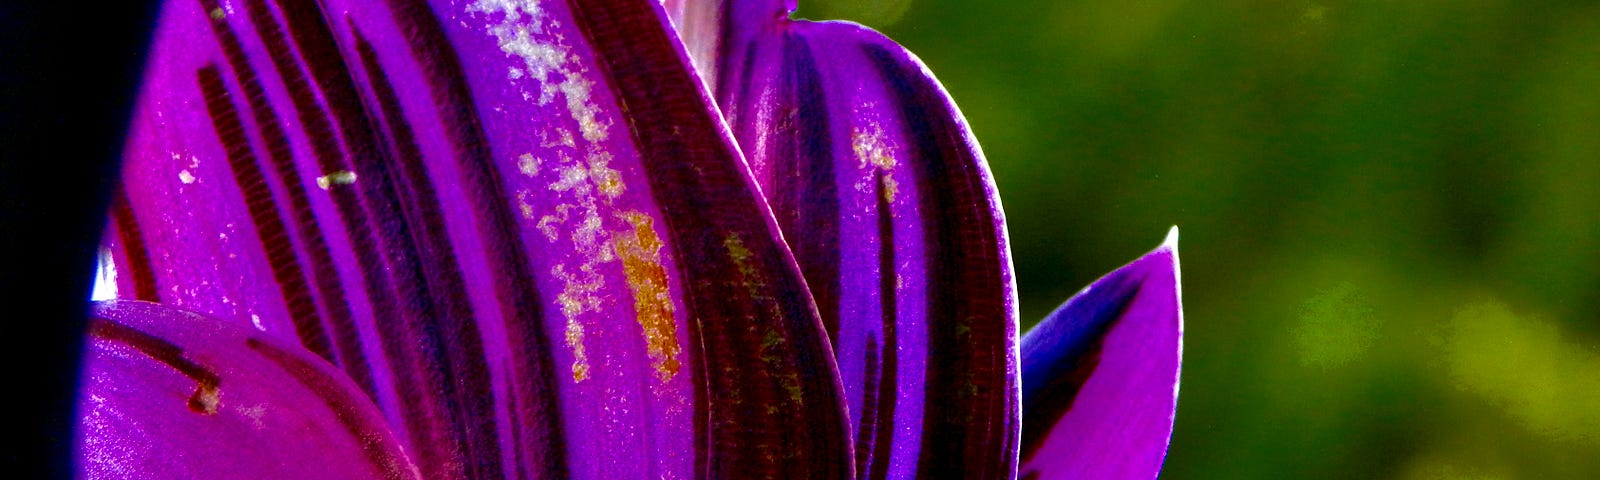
(518, 225)
(1100, 375)
(172, 394)
(885, 198)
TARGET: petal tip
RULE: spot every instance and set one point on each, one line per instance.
(1171, 242)
(1171, 245)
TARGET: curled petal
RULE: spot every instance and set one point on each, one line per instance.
(1100, 375)
(173, 394)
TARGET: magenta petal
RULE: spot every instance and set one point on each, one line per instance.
(172, 394)
(885, 198)
(519, 226)
(1100, 375)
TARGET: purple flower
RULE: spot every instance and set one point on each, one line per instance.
(523, 239)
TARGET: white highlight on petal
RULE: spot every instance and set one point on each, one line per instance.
(105, 278)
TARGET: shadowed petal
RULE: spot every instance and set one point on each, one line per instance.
(892, 214)
(1100, 375)
(172, 394)
(518, 225)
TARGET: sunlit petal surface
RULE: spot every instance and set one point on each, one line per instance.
(1100, 375)
(173, 394)
(891, 211)
(517, 225)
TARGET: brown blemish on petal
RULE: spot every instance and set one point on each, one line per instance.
(207, 397)
(640, 251)
(342, 177)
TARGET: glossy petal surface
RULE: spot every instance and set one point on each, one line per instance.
(1100, 375)
(518, 225)
(892, 214)
(173, 394)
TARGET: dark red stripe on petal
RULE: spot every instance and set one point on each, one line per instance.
(418, 350)
(880, 389)
(324, 275)
(971, 407)
(319, 49)
(416, 197)
(132, 240)
(452, 431)
(258, 199)
(444, 283)
(314, 119)
(537, 408)
(889, 289)
(331, 160)
(915, 206)
(805, 195)
(766, 353)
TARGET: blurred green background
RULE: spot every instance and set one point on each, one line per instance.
(1390, 212)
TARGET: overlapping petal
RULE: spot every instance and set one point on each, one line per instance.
(518, 226)
(174, 394)
(1100, 375)
(524, 231)
(892, 213)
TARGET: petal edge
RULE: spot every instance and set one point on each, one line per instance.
(1101, 375)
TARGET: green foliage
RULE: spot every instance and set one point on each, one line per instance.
(1390, 212)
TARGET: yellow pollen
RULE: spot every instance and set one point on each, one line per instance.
(580, 359)
(528, 165)
(640, 251)
(870, 149)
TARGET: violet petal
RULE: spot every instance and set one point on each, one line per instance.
(172, 394)
(518, 225)
(1100, 375)
(890, 208)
